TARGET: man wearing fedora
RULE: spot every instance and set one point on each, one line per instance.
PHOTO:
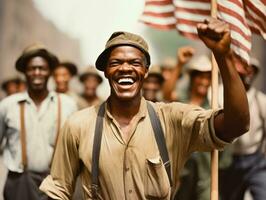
(30, 122)
(130, 148)
(152, 86)
(63, 73)
(91, 80)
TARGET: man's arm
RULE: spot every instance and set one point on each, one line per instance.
(2, 123)
(234, 120)
(184, 54)
(65, 166)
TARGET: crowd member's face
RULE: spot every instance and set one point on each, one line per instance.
(151, 87)
(11, 88)
(200, 83)
(62, 77)
(90, 85)
(37, 74)
(22, 86)
(249, 77)
(246, 73)
(126, 70)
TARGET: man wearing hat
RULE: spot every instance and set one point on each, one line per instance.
(63, 74)
(91, 80)
(30, 122)
(10, 85)
(247, 171)
(195, 177)
(153, 84)
(130, 148)
(171, 71)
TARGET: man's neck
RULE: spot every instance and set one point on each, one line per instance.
(124, 111)
(62, 91)
(38, 96)
(90, 99)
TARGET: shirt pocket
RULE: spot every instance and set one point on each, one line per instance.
(156, 185)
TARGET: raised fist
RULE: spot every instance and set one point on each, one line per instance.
(216, 35)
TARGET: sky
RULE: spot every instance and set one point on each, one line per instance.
(93, 21)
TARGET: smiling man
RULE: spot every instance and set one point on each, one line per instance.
(30, 122)
(130, 148)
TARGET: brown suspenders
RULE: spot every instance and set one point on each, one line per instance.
(23, 130)
(158, 133)
(23, 135)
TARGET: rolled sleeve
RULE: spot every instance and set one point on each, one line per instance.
(54, 189)
(65, 166)
(219, 143)
(203, 132)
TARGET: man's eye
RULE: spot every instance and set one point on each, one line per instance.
(136, 63)
(112, 64)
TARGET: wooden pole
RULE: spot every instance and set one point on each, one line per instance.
(214, 103)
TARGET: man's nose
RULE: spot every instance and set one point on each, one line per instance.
(125, 67)
(36, 71)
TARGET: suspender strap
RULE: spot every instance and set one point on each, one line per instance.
(23, 135)
(96, 151)
(159, 136)
(23, 130)
(160, 140)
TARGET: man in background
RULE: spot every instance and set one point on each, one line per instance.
(30, 123)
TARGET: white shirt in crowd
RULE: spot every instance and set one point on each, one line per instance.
(250, 141)
(40, 125)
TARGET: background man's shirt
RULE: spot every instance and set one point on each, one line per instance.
(41, 128)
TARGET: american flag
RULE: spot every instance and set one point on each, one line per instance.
(244, 17)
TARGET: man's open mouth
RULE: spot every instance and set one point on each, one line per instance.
(126, 81)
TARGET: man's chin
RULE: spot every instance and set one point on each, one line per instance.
(126, 96)
(38, 88)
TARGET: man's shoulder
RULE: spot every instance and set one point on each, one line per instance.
(66, 98)
(261, 95)
(173, 105)
(12, 99)
(83, 116)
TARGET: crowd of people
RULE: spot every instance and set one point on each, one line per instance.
(150, 139)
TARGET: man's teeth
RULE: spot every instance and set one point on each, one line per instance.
(126, 80)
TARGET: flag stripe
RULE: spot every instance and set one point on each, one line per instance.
(243, 16)
(259, 8)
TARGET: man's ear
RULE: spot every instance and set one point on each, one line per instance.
(105, 75)
(146, 72)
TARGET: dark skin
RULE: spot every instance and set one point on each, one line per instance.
(37, 74)
(91, 84)
(231, 123)
(124, 101)
(234, 121)
(184, 54)
(126, 70)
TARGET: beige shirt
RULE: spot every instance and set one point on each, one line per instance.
(131, 170)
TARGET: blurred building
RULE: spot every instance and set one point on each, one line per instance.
(20, 25)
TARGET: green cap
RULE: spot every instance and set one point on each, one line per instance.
(120, 39)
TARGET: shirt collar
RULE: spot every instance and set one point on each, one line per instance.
(141, 113)
(26, 98)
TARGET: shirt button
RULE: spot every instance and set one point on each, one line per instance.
(130, 191)
(127, 169)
